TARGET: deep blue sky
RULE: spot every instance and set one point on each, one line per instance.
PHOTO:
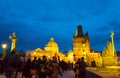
(35, 21)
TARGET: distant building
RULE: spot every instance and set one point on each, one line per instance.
(81, 47)
(51, 49)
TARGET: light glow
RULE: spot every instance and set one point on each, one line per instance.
(4, 45)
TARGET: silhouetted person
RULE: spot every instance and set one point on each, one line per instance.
(11, 64)
(82, 66)
(35, 66)
(1, 64)
(27, 68)
(76, 68)
(43, 65)
(55, 68)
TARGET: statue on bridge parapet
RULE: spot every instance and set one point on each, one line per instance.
(108, 51)
(13, 40)
(108, 54)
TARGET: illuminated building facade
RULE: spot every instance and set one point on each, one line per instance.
(51, 49)
(81, 47)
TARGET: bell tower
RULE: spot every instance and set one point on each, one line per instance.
(79, 31)
(81, 47)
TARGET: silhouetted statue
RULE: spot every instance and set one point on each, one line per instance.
(13, 40)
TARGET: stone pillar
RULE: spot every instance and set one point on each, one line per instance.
(112, 38)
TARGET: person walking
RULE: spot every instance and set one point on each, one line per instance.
(55, 68)
(34, 65)
(42, 73)
(76, 68)
(82, 66)
(27, 69)
(11, 64)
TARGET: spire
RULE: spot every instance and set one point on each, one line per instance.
(79, 31)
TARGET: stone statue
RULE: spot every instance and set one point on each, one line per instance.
(104, 52)
(112, 38)
(111, 35)
(108, 54)
(13, 40)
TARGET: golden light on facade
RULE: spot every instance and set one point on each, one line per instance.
(83, 45)
(71, 56)
(34, 53)
(84, 53)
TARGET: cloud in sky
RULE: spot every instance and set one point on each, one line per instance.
(35, 21)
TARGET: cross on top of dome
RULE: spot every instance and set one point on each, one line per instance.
(52, 39)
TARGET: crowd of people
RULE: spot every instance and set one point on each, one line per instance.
(13, 64)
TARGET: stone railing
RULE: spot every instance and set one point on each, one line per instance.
(94, 73)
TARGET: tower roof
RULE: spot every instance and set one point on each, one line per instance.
(79, 31)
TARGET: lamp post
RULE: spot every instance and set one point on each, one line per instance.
(4, 46)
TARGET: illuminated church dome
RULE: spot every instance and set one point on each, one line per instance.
(51, 43)
(51, 46)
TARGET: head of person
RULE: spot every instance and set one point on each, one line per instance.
(35, 58)
(14, 51)
(78, 60)
(82, 58)
(39, 59)
(44, 58)
(54, 58)
(29, 60)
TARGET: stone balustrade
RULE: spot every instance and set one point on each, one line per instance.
(94, 73)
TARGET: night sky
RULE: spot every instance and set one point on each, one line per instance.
(35, 21)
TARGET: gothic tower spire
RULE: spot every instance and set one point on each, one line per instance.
(79, 31)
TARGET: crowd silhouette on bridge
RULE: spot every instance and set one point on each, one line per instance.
(13, 64)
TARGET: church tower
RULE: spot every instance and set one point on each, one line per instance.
(81, 46)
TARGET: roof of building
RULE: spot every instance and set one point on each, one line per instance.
(51, 43)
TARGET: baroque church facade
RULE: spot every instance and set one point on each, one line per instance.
(51, 49)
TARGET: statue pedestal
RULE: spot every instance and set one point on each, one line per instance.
(110, 61)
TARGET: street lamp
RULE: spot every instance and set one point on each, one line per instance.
(4, 46)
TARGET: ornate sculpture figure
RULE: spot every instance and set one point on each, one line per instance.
(108, 54)
(112, 38)
(13, 40)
